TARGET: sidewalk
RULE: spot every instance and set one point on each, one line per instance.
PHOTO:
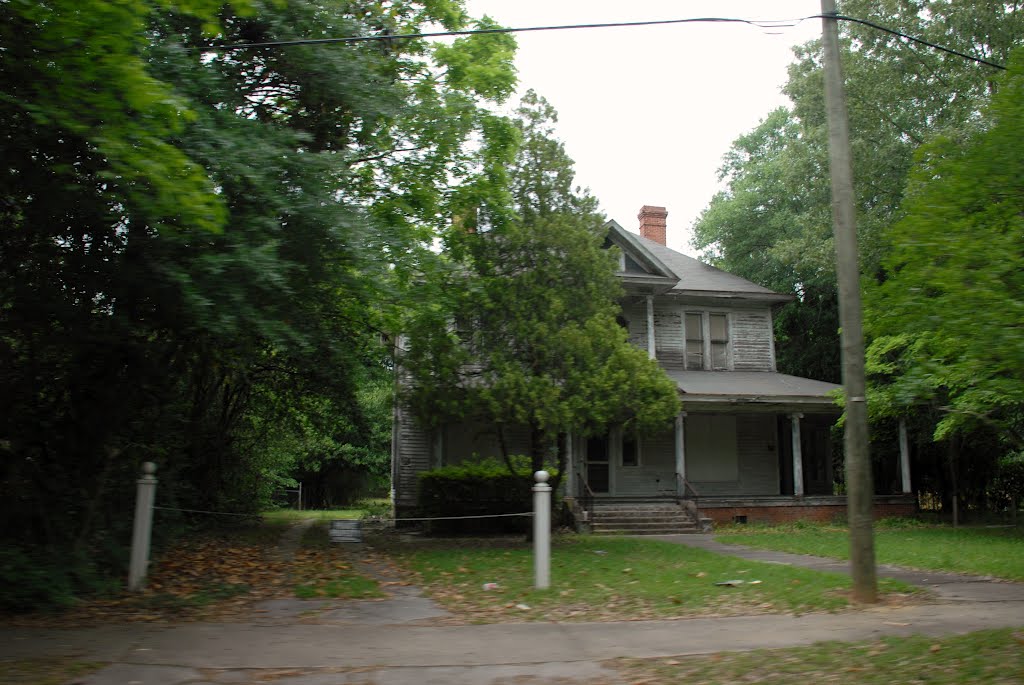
(567, 653)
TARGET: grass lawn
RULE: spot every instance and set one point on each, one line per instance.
(370, 506)
(995, 552)
(604, 578)
(294, 515)
(992, 657)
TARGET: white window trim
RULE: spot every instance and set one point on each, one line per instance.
(705, 324)
(622, 452)
(686, 339)
(728, 342)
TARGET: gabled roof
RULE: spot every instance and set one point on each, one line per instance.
(692, 277)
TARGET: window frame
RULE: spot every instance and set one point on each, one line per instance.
(637, 451)
(707, 344)
(687, 339)
(727, 342)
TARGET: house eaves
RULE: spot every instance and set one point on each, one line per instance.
(632, 246)
(719, 296)
(751, 390)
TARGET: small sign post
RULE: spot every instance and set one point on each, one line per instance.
(541, 531)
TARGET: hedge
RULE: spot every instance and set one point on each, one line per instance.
(474, 489)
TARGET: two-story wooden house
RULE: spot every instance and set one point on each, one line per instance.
(750, 443)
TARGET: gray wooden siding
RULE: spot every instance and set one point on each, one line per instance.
(668, 333)
(750, 332)
(656, 474)
(752, 341)
(758, 466)
(413, 454)
(636, 315)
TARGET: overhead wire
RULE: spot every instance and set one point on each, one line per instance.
(759, 23)
(502, 29)
(920, 41)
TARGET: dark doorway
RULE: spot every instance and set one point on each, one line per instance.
(598, 464)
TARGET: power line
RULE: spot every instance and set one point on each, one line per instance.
(918, 40)
(764, 24)
(767, 24)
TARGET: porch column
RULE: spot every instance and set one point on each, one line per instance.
(570, 470)
(904, 458)
(651, 347)
(798, 457)
(680, 445)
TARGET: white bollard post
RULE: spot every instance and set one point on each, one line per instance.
(141, 532)
(541, 531)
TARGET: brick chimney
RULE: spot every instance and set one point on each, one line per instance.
(652, 223)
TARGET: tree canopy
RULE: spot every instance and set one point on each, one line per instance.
(772, 223)
(201, 247)
(946, 321)
(910, 107)
(523, 332)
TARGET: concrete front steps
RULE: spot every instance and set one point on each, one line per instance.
(640, 517)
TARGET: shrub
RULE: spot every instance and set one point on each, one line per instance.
(30, 582)
(1008, 486)
(477, 488)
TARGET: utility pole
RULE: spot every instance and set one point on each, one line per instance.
(858, 458)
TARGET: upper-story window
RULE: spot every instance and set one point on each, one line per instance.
(707, 341)
(630, 265)
(694, 341)
(719, 325)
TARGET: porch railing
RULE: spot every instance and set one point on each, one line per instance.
(685, 488)
(686, 491)
(586, 497)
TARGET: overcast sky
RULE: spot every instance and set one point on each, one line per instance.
(648, 112)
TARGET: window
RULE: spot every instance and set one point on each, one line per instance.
(707, 341)
(630, 265)
(630, 450)
(694, 341)
(719, 341)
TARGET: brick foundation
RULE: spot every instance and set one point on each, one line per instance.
(784, 513)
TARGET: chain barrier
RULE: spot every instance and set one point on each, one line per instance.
(449, 518)
(369, 519)
(201, 511)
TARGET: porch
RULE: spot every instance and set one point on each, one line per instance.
(742, 437)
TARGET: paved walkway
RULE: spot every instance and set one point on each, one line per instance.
(400, 652)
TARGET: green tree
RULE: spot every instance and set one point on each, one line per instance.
(945, 323)
(200, 245)
(523, 330)
(773, 222)
(772, 226)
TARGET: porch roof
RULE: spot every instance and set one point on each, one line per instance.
(754, 388)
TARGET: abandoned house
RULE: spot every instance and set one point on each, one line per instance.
(751, 444)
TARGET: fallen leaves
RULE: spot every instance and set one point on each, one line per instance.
(215, 577)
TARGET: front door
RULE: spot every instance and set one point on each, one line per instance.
(598, 464)
(816, 449)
